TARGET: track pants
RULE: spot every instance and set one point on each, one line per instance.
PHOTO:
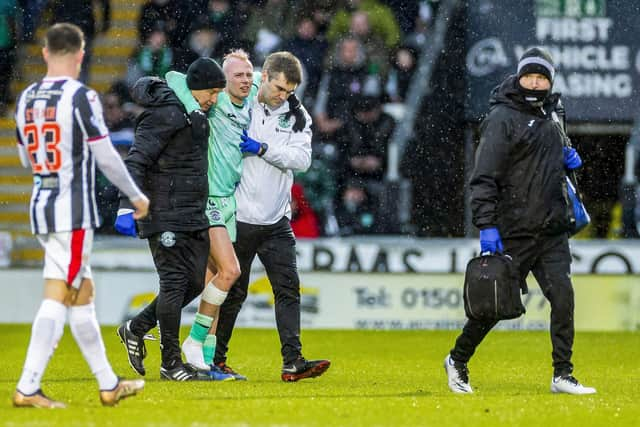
(275, 246)
(549, 259)
(181, 267)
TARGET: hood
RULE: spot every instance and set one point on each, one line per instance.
(153, 91)
(507, 93)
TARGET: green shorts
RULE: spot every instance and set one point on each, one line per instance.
(221, 212)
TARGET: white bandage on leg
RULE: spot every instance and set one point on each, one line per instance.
(213, 295)
(86, 331)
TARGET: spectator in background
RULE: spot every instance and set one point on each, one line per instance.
(340, 86)
(362, 146)
(383, 22)
(362, 143)
(356, 213)
(119, 121)
(203, 41)
(80, 13)
(403, 65)
(311, 50)
(120, 125)
(7, 50)
(304, 221)
(31, 11)
(228, 22)
(153, 58)
(322, 12)
(271, 22)
(175, 14)
(377, 52)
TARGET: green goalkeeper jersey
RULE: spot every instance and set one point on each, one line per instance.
(227, 121)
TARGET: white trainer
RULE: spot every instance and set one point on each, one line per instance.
(458, 376)
(568, 384)
(192, 350)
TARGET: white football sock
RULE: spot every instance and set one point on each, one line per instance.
(86, 331)
(47, 329)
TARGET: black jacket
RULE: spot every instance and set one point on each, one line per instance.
(168, 160)
(518, 184)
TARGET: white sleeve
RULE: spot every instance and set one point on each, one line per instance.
(22, 152)
(19, 118)
(296, 155)
(111, 164)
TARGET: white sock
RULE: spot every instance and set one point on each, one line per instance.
(86, 331)
(192, 350)
(47, 329)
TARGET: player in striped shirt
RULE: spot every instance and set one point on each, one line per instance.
(61, 136)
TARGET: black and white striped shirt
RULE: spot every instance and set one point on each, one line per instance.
(61, 134)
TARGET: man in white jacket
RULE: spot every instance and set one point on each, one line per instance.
(274, 148)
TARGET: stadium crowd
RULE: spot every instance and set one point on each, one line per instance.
(359, 57)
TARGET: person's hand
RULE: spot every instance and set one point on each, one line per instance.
(572, 159)
(142, 207)
(490, 241)
(296, 110)
(250, 145)
(199, 125)
(125, 224)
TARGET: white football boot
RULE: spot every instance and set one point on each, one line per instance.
(458, 376)
(568, 384)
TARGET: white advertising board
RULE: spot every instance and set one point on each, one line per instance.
(349, 300)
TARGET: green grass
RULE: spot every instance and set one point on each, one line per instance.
(376, 379)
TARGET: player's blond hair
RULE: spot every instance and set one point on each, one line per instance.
(240, 54)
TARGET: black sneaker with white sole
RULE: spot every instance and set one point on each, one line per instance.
(183, 372)
(302, 368)
(134, 345)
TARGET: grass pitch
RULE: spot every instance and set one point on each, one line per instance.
(376, 379)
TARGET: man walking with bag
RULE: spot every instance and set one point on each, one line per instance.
(519, 203)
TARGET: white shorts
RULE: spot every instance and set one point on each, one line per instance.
(66, 255)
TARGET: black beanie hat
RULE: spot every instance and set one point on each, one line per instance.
(205, 73)
(536, 60)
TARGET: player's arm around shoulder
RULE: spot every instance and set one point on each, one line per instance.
(177, 82)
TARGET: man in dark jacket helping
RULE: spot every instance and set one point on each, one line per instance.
(169, 161)
(519, 203)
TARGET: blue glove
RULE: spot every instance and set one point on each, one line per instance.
(249, 145)
(572, 159)
(125, 224)
(490, 241)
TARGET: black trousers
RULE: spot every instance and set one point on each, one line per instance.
(275, 246)
(181, 268)
(549, 259)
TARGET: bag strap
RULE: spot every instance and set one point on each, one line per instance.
(566, 142)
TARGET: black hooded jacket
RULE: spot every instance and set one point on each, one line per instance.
(518, 184)
(168, 160)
